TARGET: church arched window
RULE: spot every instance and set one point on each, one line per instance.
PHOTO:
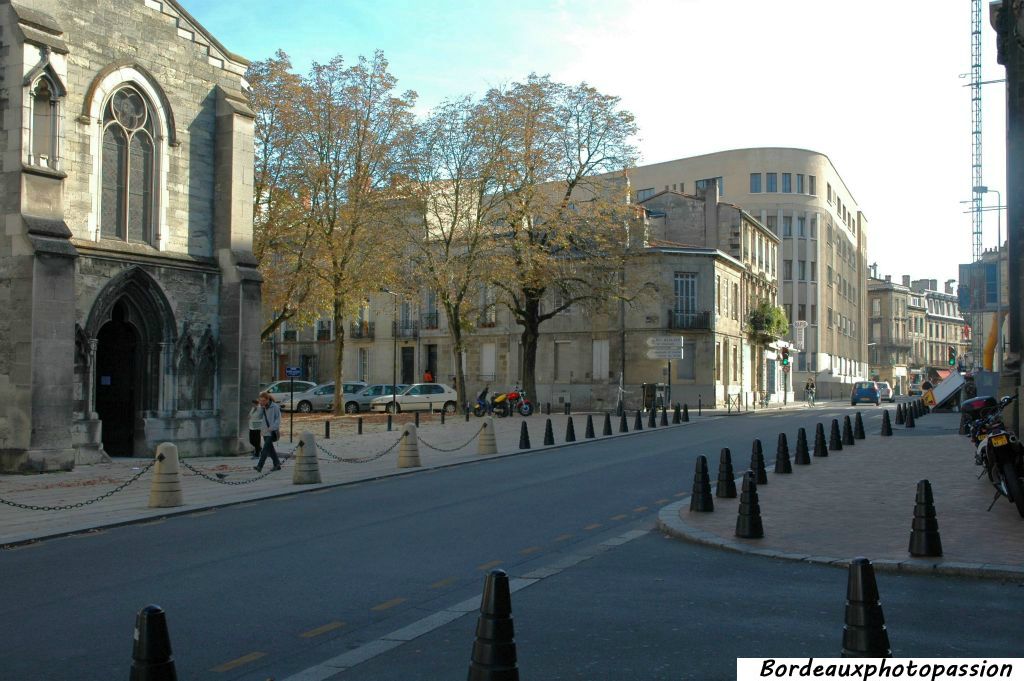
(128, 167)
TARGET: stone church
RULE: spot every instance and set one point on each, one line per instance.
(129, 294)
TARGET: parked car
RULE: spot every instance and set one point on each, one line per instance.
(914, 390)
(319, 398)
(420, 397)
(361, 400)
(885, 391)
(282, 389)
(865, 391)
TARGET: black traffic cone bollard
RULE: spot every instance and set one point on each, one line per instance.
(864, 633)
(524, 437)
(638, 424)
(847, 431)
(664, 417)
(835, 443)
(748, 522)
(151, 652)
(494, 650)
(801, 458)
(589, 434)
(677, 415)
(899, 414)
(782, 463)
(909, 422)
(623, 426)
(858, 427)
(702, 501)
(607, 430)
(924, 534)
(686, 414)
(570, 431)
(726, 488)
(549, 435)
(886, 425)
(652, 416)
(757, 464)
(819, 441)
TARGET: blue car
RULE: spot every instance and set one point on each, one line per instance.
(865, 391)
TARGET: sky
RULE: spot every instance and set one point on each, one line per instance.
(876, 85)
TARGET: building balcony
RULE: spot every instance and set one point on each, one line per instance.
(361, 331)
(405, 329)
(694, 321)
(430, 321)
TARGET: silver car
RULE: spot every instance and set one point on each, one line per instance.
(361, 400)
(319, 398)
(281, 390)
(420, 397)
(885, 391)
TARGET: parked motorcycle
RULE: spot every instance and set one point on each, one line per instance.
(998, 450)
(482, 406)
(513, 401)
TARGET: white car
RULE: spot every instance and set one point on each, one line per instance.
(319, 398)
(420, 397)
(885, 391)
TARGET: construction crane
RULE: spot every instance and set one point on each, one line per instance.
(977, 337)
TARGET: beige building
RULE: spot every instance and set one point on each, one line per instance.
(701, 264)
(946, 331)
(822, 263)
(890, 344)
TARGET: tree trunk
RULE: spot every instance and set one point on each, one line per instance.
(339, 353)
(530, 338)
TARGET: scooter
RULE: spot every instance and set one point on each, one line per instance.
(482, 406)
(998, 450)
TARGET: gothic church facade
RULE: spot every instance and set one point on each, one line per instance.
(129, 294)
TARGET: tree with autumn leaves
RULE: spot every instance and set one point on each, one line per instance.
(520, 190)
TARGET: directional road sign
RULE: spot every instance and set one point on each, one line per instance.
(675, 352)
(665, 342)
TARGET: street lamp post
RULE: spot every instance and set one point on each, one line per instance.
(394, 352)
(982, 189)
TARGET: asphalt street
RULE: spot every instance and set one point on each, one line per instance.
(268, 589)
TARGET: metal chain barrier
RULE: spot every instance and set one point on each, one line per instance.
(334, 458)
(453, 449)
(214, 478)
(80, 504)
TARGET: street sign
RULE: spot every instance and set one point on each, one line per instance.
(665, 342)
(292, 372)
(665, 353)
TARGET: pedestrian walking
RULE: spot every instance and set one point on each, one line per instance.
(255, 426)
(270, 430)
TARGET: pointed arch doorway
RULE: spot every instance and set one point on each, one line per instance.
(118, 382)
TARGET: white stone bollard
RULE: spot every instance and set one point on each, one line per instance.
(165, 491)
(409, 450)
(487, 443)
(307, 467)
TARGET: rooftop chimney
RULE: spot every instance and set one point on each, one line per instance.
(906, 280)
(949, 285)
(888, 279)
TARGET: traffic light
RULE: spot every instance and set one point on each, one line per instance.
(951, 352)
(785, 357)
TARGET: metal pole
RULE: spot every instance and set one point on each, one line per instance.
(291, 418)
(999, 280)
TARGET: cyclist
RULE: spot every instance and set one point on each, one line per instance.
(809, 392)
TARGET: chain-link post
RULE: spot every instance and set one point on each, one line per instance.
(409, 450)
(165, 491)
(359, 426)
(307, 470)
(389, 422)
(327, 429)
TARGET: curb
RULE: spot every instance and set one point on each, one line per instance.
(323, 486)
(670, 523)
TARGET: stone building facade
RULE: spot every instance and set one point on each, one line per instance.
(126, 261)
(701, 264)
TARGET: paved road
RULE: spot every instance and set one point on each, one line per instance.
(271, 588)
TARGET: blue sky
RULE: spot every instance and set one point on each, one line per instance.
(872, 84)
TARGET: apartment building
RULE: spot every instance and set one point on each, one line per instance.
(822, 263)
(700, 265)
(944, 325)
(890, 344)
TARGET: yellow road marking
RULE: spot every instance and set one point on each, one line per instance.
(593, 526)
(488, 566)
(245, 659)
(563, 537)
(443, 583)
(639, 509)
(387, 605)
(330, 626)
(532, 549)
(621, 516)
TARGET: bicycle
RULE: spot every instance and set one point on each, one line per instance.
(809, 397)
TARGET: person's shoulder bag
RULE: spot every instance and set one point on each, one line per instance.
(275, 435)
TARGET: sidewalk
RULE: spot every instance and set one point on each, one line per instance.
(242, 484)
(860, 502)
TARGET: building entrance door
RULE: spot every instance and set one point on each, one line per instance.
(117, 383)
(408, 365)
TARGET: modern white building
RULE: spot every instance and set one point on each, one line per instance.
(800, 196)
